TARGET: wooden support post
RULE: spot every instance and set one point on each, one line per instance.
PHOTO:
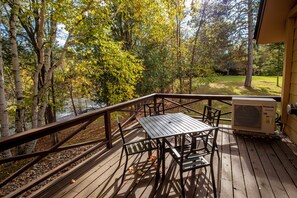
(108, 129)
(209, 102)
(163, 107)
(155, 104)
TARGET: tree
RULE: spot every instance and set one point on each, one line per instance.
(249, 70)
(146, 29)
(179, 16)
(202, 14)
(19, 117)
(3, 104)
(210, 45)
(268, 60)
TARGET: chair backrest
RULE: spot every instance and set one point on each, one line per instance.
(154, 109)
(121, 129)
(211, 116)
(208, 148)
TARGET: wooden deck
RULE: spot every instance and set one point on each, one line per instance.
(247, 167)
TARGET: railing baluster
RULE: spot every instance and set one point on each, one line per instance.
(107, 123)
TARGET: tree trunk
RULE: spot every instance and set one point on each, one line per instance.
(36, 112)
(194, 46)
(72, 100)
(178, 43)
(52, 109)
(249, 70)
(19, 117)
(3, 104)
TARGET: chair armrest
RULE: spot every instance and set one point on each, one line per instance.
(139, 141)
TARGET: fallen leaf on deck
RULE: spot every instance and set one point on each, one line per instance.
(139, 172)
(151, 158)
(131, 169)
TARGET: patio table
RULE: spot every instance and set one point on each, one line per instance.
(159, 127)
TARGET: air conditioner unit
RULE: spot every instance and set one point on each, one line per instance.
(255, 115)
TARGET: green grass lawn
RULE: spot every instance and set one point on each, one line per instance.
(233, 85)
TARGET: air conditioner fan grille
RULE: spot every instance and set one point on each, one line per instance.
(247, 116)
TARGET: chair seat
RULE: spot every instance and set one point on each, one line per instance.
(140, 146)
(194, 162)
(192, 158)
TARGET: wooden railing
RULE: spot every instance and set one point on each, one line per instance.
(102, 120)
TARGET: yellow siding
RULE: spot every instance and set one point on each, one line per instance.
(294, 66)
(291, 123)
(293, 77)
(293, 88)
(291, 128)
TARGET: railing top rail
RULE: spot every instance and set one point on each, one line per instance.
(211, 96)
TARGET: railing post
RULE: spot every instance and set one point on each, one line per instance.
(209, 102)
(107, 124)
(155, 104)
(163, 107)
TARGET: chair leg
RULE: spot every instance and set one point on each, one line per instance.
(121, 157)
(213, 181)
(182, 183)
(217, 150)
(124, 172)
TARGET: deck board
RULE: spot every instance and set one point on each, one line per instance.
(271, 173)
(262, 181)
(251, 186)
(247, 167)
(237, 174)
(226, 177)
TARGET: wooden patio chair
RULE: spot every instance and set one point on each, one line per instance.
(134, 147)
(189, 158)
(211, 116)
(150, 109)
(154, 109)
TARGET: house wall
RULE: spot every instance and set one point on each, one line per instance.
(289, 95)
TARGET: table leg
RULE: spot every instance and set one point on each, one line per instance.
(159, 151)
(149, 152)
(163, 157)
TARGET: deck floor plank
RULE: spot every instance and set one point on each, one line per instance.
(248, 172)
(263, 183)
(84, 181)
(226, 177)
(237, 174)
(271, 173)
(287, 164)
(99, 176)
(245, 166)
(135, 184)
(281, 172)
(218, 161)
(292, 157)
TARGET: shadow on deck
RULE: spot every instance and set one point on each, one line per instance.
(247, 167)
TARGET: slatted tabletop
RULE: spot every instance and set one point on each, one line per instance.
(167, 125)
